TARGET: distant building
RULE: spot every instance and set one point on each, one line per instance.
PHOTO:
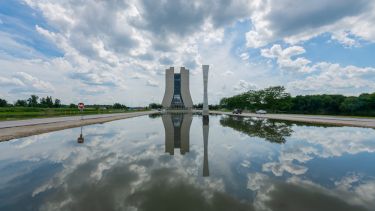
(177, 91)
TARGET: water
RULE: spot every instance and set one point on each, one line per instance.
(223, 163)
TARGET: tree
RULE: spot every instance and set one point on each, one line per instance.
(351, 105)
(33, 101)
(72, 105)
(21, 103)
(275, 98)
(43, 102)
(49, 102)
(57, 103)
(155, 106)
(198, 106)
(3, 103)
(119, 106)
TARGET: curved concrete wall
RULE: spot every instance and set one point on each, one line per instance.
(169, 87)
(185, 90)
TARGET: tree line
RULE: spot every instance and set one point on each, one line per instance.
(275, 99)
(48, 102)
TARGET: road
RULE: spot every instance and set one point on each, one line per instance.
(22, 128)
(318, 119)
(37, 121)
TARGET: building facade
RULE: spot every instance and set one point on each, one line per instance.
(177, 91)
(205, 95)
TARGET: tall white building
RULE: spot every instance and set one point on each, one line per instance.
(205, 97)
(177, 91)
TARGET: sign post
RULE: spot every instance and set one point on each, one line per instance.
(81, 106)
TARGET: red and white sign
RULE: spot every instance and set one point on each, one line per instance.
(81, 106)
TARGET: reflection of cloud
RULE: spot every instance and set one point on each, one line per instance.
(123, 166)
(336, 141)
(297, 194)
(279, 168)
(123, 187)
(308, 143)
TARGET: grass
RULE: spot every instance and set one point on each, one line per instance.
(15, 113)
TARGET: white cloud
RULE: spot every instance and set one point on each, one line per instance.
(296, 20)
(227, 73)
(152, 83)
(344, 38)
(284, 58)
(22, 82)
(333, 78)
(112, 45)
(244, 86)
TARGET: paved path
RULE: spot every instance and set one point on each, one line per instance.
(319, 119)
(22, 128)
(37, 121)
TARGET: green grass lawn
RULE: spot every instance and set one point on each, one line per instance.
(14, 113)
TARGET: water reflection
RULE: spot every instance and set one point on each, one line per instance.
(177, 135)
(271, 130)
(177, 131)
(206, 120)
(122, 166)
(80, 138)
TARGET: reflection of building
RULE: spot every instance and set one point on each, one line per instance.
(206, 171)
(177, 129)
(177, 135)
(177, 92)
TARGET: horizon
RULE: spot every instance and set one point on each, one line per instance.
(117, 51)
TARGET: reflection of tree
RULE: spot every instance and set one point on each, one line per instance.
(271, 130)
(154, 116)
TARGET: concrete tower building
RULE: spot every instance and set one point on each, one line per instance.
(205, 97)
(177, 91)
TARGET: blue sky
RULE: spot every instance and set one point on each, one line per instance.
(116, 51)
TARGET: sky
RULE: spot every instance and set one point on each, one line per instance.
(107, 51)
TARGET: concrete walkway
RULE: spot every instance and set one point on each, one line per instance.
(22, 128)
(37, 121)
(318, 119)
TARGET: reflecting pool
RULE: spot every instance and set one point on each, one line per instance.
(187, 162)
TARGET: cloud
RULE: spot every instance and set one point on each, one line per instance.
(181, 18)
(104, 43)
(98, 78)
(22, 82)
(244, 86)
(345, 38)
(333, 78)
(152, 83)
(295, 21)
(227, 73)
(284, 58)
